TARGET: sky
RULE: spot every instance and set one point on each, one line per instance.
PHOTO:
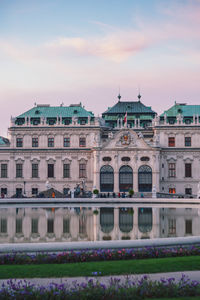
(60, 51)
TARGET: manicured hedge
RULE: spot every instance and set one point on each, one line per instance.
(98, 255)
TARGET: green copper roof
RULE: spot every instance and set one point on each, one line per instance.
(130, 107)
(3, 141)
(54, 111)
(183, 109)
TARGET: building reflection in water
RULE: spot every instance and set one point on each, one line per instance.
(28, 224)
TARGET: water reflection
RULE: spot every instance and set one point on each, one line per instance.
(30, 224)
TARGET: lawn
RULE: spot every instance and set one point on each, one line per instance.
(140, 266)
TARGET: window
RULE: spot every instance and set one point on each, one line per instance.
(19, 171)
(4, 191)
(34, 226)
(188, 170)
(82, 122)
(19, 142)
(125, 179)
(50, 226)
(52, 122)
(172, 170)
(34, 191)
(66, 142)
(171, 141)
(107, 158)
(50, 142)
(4, 170)
(145, 158)
(82, 225)
(187, 141)
(82, 170)
(35, 142)
(3, 226)
(50, 170)
(66, 228)
(188, 226)
(82, 142)
(172, 226)
(34, 170)
(18, 226)
(188, 191)
(125, 158)
(67, 121)
(172, 191)
(18, 192)
(66, 171)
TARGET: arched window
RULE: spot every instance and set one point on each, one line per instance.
(107, 219)
(106, 179)
(145, 179)
(125, 178)
(145, 219)
(125, 219)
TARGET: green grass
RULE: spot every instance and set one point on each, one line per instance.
(159, 265)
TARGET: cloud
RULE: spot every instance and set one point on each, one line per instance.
(116, 46)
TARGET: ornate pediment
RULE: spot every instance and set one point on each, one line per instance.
(126, 139)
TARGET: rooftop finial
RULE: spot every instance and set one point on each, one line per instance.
(119, 96)
(139, 96)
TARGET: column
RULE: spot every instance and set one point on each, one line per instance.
(116, 224)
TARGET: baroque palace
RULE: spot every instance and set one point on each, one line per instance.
(129, 147)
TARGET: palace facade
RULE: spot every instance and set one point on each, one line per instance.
(129, 147)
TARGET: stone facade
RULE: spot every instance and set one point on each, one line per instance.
(66, 151)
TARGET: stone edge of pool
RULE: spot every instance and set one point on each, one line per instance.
(64, 246)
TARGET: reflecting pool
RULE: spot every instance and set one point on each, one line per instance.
(67, 224)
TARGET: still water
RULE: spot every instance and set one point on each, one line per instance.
(67, 224)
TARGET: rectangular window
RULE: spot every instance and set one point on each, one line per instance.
(3, 226)
(34, 170)
(19, 142)
(50, 226)
(18, 225)
(188, 191)
(4, 170)
(50, 171)
(172, 170)
(172, 226)
(188, 226)
(82, 171)
(34, 191)
(82, 142)
(19, 170)
(35, 142)
(172, 190)
(66, 170)
(82, 225)
(4, 191)
(66, 142)
(188, 170)
(34, 226)
(18, 192)
(171, 141)
(50, 142)
(188, 141)
(66, 228)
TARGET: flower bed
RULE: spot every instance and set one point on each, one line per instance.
(98, 255)
(92, 289)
